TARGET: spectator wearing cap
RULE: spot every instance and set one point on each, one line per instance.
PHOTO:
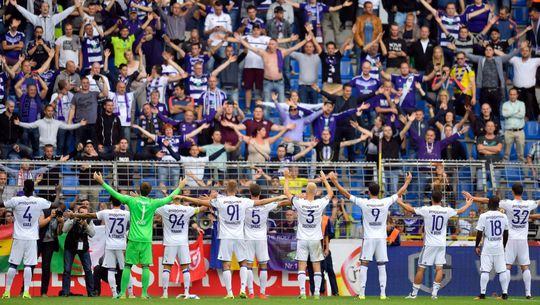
(86, 170)
(108, 128)
(278, 26)
(84, 105)
(286, 8)
(513, 112)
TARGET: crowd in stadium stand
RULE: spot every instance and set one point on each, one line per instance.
(214, 81)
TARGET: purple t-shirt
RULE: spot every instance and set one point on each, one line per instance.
(476, 24)
(364, 86)
(406, 83)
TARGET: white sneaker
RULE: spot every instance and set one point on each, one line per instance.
(165, 296)
(434, 297)
(191, 297)
(411, 296)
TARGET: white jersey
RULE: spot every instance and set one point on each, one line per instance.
(252, 60)
(310, 217)
(175, 219)
(374, 215)
(435, 223)
(518, 212)
(255, 226)
(231, 215)
(26, 211)
(116, 225)
(493, 224)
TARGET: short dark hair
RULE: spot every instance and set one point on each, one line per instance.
(48, 145)
(493, 203)
(374, 189)
(436, 196)
(517, 189)
(251, 7)
(513, 89)
(330, 43)
(28, 188)
(347, 85)
(115, 202)
(255, 190)
(145, 188)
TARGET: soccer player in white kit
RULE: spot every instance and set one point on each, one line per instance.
(435, 229)
(375, 214)
(175, 218)
(517, 248)
(493, 226)
(116, 223)
(309, 233)
(231, 217)
(255, 234)
(26, 211)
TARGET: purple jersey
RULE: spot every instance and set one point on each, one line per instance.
(190, 61)
(476, 24)
(364, 85)
(314, 13)
(406, 84)
(13, 39)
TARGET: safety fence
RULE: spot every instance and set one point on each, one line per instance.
(450, 177)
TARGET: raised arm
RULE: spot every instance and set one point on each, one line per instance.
(269, 200)
(429, 7)
(341, 189)
(296, 47)
(329, 190)
(224, 65)
(468, 202)
(122, 198)
(145, 132)
(403, 189)
(405, 206)
(197, 201)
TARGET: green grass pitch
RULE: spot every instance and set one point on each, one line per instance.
(443, 300)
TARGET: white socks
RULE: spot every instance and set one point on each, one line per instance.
(243, 278)
(27, 278)
(415, 289)
(382, 279)
(249, 281)
(227, 278)
(503, 278)
(317, 278)
(263, 279)
(130, 285)
(187, 281)
(436, 287)
(362, 280)
(302, 282)
(526, 281)
(505, 288)
(484, 279)
(111, 277)
(10, 276)
(165, 275)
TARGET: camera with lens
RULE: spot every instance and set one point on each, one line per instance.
(59, 213)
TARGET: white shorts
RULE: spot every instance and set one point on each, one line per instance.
(229, 246)
(25, 251)
(517, 251)
(113, 257)
(374, 247)
(309, 249)
(171, 252)
(432, 255)
(489, 262)
(257, 249)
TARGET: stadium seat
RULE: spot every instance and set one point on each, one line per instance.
(520, 14)
(532, 130)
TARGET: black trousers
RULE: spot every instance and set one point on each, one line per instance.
(345, 134)
(493, 97)
(46, 250)
(528, 96)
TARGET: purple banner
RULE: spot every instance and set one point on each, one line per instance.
(282, 250)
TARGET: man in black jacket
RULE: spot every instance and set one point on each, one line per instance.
(108, 128)
(10, 135)
(422, 51)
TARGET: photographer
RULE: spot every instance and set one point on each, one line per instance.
(78, 231)
(51, 222)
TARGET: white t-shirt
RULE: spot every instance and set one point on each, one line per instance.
(252, 60)
(116, 225)
(213, 20)
(123, 106)
(309, 217)
(435, 223)
(26, 211)
(69, 50)
(196, 166)
(256, 223)
(493, 224)
(231, 215)
(175, 219)
(518, 212)
(374, 215)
